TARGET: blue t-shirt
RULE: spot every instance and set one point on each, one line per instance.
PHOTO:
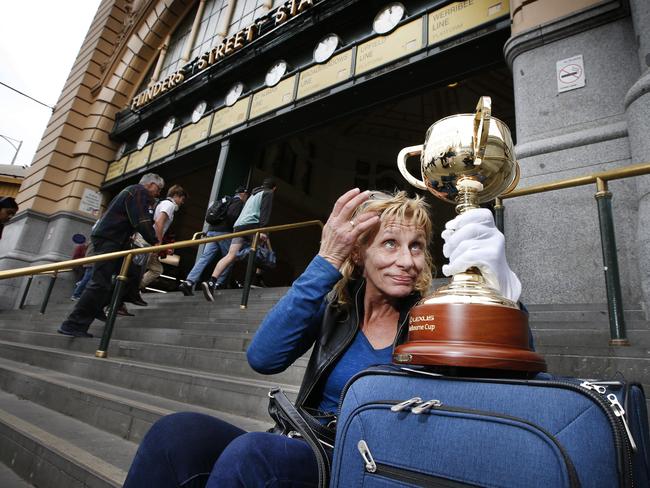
(359, 356)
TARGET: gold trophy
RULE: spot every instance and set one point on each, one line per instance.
(467, 159)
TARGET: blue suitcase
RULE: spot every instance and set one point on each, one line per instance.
(402, 428)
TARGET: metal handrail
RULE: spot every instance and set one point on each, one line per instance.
(603, 197)
(128, 257)
(612, 174)
(41, 268)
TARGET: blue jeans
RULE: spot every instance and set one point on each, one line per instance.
(192, 450)
(206, 257)
(81, 284)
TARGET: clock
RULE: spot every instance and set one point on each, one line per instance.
(326, 47)
(234, 93)
(142, 140)
(120, 150)
(388, 17)
(275, 73)
(169, 126)
(199, 110)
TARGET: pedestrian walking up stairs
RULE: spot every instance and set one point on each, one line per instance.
(69, 419)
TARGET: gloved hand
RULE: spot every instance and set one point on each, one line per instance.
(472, 239)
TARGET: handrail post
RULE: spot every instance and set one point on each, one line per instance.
(120, 281)
(499, 214)
(48, 292)
(249, 272)
(24, 297)
(610, 261)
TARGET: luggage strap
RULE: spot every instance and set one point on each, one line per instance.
(292, 422)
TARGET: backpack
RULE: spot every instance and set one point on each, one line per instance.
(218, 211)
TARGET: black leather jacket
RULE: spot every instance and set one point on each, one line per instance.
(339, 326)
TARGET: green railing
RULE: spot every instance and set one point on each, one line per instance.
(618, 336)
(128, 254)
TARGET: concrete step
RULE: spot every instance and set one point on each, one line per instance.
(126, 413)
(246, 396)
(9, 479)
(52, 450)
(592, 338)
(212, 360)
(579, 312)
(544, 325)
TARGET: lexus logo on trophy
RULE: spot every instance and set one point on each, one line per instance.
(467, 159)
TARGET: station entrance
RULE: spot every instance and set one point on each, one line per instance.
(316, 161)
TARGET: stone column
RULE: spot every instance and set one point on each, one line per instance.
(553, 238)
(637, 111)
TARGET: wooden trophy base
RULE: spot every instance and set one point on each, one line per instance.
(468, 335)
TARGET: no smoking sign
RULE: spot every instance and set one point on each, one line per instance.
(570, 73)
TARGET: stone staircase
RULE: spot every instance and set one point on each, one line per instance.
(68, 419)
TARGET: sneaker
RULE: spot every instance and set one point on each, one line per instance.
(73, 332)
(136, 300)
(74, 298)
(207, 288)
(124, 312)
(186, 288)
(258, 282)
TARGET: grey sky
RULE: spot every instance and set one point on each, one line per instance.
(39, 41)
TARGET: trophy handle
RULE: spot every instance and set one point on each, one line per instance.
(481, 128)
(403, 155)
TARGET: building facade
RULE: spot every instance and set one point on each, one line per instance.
(322, 94)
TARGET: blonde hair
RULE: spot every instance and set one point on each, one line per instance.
(391, 207)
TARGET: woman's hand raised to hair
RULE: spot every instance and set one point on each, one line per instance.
(342, 231)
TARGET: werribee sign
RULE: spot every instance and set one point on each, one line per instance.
(228, 46)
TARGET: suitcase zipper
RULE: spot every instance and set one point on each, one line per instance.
(621, 442)
(404, 475)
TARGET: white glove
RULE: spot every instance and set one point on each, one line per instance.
(472, 239)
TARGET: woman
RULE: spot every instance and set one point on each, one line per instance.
(8, 208)
(372, 266)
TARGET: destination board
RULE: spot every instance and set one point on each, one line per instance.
(459, 17)
(139, 158)
(384, 49)
(228, 117)
(165, 146)
(271, 98)
(193, 133)
(116, 169)
(322, 76)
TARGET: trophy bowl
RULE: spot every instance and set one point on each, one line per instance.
(467, 159)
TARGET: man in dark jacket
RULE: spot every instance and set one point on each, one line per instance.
(209, 252)
(128, 212)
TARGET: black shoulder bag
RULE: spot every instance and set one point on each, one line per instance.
(294, 422)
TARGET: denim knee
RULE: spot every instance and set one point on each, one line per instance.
(180, 450)
(265, 460)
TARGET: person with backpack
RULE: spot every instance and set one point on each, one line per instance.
(256, 213)
(221, 217)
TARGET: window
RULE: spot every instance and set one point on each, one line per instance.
(172, 61)
(205, 38)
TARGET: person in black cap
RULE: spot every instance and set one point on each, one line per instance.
(256, 213)
(8, 208)
(225, 216)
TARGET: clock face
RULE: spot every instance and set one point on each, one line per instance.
(199, 110)
(169, 126)
(275, 73)
(234, 93)
(326, 47)
(120, 150)
(142, 140)
(388, 17)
